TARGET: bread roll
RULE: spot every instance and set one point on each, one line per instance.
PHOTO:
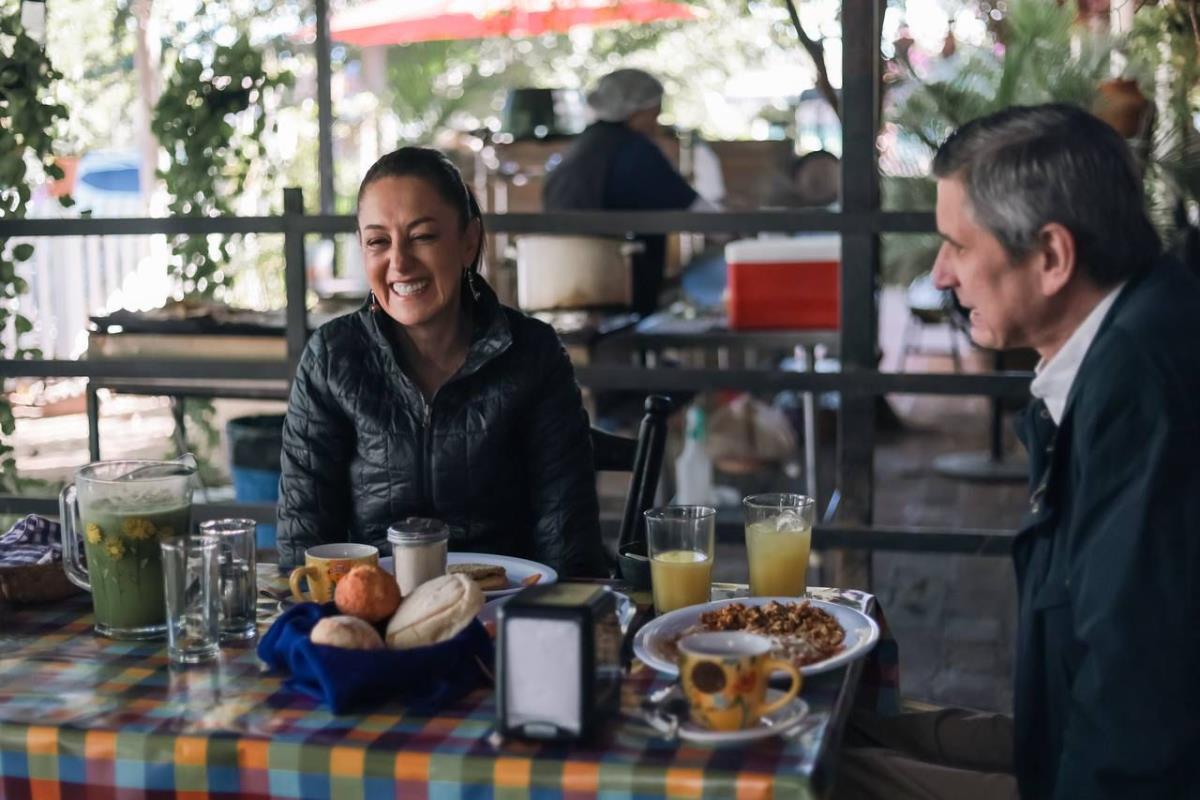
(435, 611)
(349, 632)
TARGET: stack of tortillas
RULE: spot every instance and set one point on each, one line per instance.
(488, 577)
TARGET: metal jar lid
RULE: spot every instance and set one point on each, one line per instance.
(415, 531)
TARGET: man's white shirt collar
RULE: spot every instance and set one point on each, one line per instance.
(1053, 379)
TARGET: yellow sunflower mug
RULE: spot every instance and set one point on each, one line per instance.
(724, 677)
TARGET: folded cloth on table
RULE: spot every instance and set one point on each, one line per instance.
(32, 540)
(424, 679)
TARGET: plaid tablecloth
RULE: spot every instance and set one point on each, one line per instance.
(84, 716)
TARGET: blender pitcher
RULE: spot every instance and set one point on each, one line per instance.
(121, 510)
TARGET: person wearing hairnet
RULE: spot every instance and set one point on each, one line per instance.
(615, 165)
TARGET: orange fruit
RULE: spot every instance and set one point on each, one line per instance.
(367, 592)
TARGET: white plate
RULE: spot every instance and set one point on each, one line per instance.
(651, 645)
(781, 721)
(517, 569)
(626, 610)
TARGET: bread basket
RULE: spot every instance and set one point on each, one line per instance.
(35, 583)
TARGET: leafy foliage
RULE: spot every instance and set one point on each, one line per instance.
(1164, 51)
(430, 82)
(210, 119)
(29, 121)
(1033, 66)
(1042, 57)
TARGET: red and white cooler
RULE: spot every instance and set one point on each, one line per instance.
(784, 283)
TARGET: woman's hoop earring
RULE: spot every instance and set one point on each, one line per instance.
(469, 274)
(374, 302)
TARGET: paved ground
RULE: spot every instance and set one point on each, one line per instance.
(954, 616)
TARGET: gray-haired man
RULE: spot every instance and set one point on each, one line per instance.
(1047, 243)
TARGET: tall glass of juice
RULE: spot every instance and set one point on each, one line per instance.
(778, 541)
(681, 555)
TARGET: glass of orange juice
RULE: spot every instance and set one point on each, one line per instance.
(778, 541)
(681, 555)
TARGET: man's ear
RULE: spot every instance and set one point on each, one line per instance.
(1056, 246)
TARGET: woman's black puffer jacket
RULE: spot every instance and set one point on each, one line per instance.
(502, 453)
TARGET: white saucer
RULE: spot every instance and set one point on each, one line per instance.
(781, 721)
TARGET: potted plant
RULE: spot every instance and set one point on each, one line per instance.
(29, 120)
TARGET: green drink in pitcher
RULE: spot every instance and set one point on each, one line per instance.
(125, 563)
(121, 510)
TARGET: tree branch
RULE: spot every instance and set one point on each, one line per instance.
(816, 51)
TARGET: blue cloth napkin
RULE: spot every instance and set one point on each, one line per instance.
(424, 679)
(32, 540)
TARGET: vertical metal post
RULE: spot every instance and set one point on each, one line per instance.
(861, 21)
(179, 414)
(809, 405)
(996, 437)
(295, 277)
(93, 418)
(324, 108)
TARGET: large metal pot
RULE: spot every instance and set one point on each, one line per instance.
(565, 272)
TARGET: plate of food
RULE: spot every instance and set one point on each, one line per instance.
(818, 636)
(496, 575)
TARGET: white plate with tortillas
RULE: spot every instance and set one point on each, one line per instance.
(517, 572)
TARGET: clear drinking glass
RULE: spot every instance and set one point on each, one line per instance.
(778, 541)
(192, 594)
(238, 588)
(681, 555)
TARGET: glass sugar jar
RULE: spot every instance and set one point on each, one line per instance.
(419, 548)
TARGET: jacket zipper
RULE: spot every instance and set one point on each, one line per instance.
(427, 456)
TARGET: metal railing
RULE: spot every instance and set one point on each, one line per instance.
(295, 226)
(980, 542)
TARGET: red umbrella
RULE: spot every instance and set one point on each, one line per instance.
(381, 22)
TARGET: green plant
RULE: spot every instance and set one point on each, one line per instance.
(29, 122)
(210, 119)
(1042, 56)
(1164, 52)
(433, 84)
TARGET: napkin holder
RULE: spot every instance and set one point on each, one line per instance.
(558, 661)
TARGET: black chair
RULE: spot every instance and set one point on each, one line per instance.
(643, 457)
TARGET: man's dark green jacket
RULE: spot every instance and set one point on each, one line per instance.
(1108, 561)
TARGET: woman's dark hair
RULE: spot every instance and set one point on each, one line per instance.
(440, 172)
(814, 185)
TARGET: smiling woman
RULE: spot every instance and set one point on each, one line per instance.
(434, 400)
